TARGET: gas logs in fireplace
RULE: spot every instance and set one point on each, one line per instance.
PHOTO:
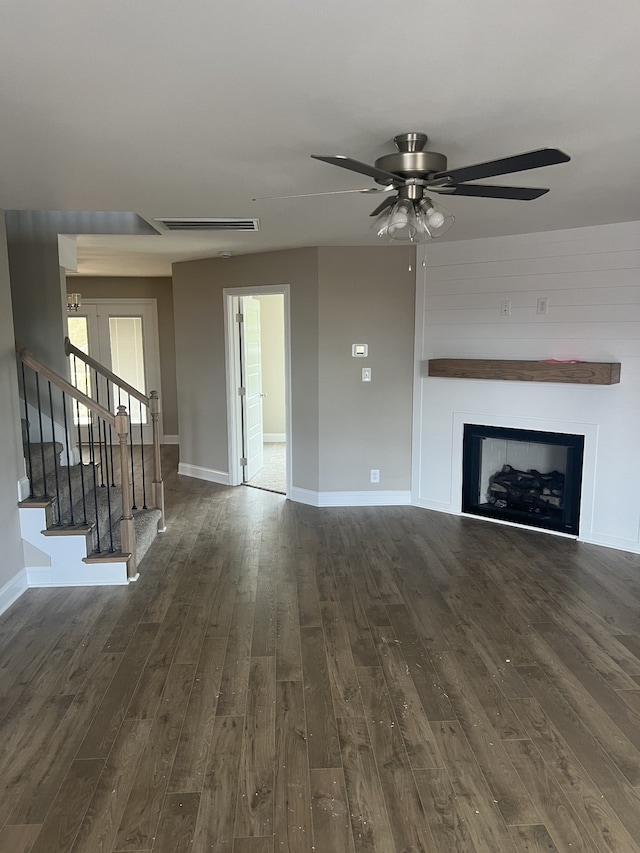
(526, 491)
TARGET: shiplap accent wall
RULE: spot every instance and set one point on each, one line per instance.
(591, 277)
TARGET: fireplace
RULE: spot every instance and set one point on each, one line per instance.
(524, 476)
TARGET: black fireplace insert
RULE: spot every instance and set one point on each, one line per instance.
(525, 476)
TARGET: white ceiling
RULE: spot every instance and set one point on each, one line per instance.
(192, 108)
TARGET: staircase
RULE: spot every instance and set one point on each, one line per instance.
(79, 525)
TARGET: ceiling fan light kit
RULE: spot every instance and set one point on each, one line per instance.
(411, 216)
(413, 221)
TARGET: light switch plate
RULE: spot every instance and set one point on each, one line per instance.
(366, 374)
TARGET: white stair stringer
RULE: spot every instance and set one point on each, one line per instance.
(66, 554)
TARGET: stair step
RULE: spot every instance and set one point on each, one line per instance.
(69, 530)
(92, 510)
(107, 557)
(36, 503)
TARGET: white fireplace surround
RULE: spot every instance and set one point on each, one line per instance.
(590, 278)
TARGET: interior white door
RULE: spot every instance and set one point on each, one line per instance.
(252, 383)
(122, 335)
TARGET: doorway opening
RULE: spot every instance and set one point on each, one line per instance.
(257, 329)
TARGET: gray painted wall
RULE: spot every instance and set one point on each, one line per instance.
(339, 296)
(366, 296)
(36, 277)
(200, 353)
(96, 287)
(11, 445)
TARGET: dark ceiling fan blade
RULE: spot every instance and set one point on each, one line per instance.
(388, 202)
(362, 168)
(517, 163)
(518, 193)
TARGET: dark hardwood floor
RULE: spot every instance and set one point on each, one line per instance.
(284, 679)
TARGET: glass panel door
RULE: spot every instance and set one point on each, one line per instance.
(121, 334)
(127, 360)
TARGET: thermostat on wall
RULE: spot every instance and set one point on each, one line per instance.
(359, 350)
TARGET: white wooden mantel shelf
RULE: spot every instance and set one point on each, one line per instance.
(577, 372)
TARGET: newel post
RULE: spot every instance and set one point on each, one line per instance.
(127, 531)
(158, 485)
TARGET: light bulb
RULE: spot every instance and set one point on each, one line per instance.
(398, 220)
(435, 218)
(399, 224)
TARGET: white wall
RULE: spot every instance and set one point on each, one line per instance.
(591, 279)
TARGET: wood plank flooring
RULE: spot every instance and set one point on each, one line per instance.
(286, 679)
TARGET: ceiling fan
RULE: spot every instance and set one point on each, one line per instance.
(413, 174)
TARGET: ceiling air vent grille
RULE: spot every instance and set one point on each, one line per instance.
(206, 223)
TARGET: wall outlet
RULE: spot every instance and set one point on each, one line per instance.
(543, 305)
(375, 475)
(505, 308)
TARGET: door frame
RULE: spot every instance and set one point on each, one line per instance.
(151, 343)
(232, 371)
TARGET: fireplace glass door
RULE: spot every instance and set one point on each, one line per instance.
(525, 476)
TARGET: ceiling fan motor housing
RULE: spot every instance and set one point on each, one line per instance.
(412, 164)
(412, 161)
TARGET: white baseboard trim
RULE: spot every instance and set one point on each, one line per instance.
(98, 574)
(23, 488)
(13, 589)
(604, 541)
(199, 473)
(171, 439)
(303, 496)
(380, 498)
(436, 506)
(274, 436)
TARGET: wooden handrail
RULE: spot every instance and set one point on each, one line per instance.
(66, 387)
(152, 403)
(70, 349)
